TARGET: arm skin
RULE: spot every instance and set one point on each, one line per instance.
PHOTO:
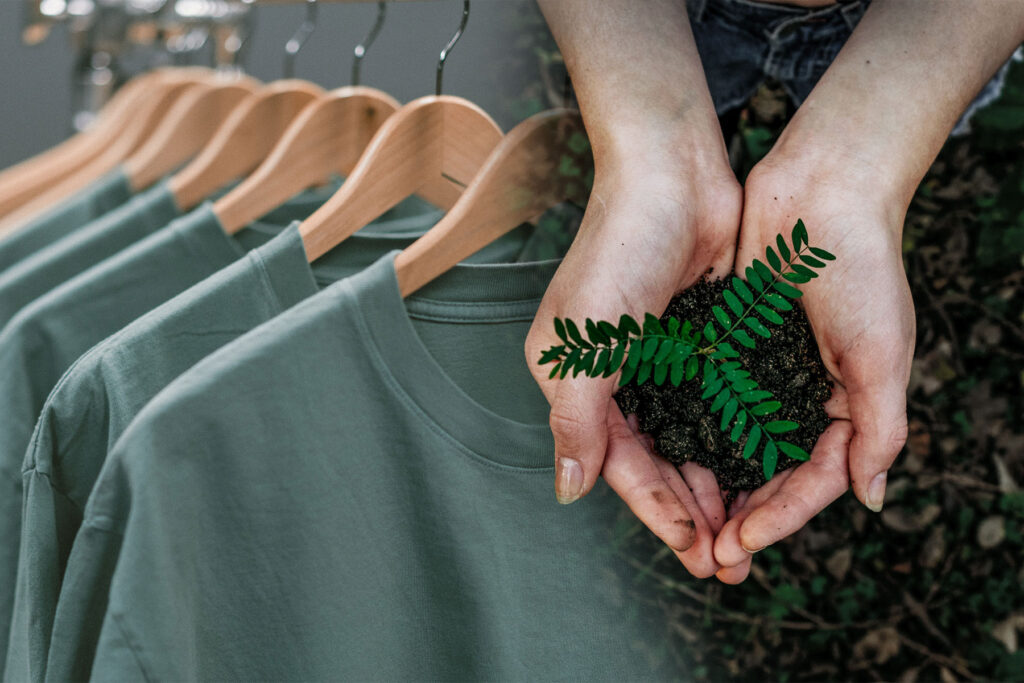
(665, 209)
(848, 164)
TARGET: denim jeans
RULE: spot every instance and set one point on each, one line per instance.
(743, 42)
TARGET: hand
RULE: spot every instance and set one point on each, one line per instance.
(653, 226)
(862, 315)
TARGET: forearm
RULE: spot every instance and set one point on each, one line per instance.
(889, 100)
(638, 77)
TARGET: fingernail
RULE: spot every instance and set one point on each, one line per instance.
(568, 480)
(755, 550)
(876, 493)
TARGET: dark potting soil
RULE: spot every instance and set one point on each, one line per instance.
(680, 422)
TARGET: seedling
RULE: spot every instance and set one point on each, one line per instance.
(680, 352)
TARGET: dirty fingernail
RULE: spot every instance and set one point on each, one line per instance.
(752, 550)
(568, 480)
(876, 493)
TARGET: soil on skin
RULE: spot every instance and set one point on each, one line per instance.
(683, 429)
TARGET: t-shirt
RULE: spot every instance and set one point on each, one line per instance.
(103, 195)
(92, 242)
(101, 393)
(359, 489)
(48, 335)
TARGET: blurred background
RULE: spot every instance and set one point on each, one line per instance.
(930, 589)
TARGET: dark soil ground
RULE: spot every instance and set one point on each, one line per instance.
(682, 425)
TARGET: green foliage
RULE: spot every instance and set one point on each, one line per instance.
(685, 350)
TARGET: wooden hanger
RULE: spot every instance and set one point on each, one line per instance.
(19, 183)
(143, 122)
(431, 147)
(243, 140)
(187, 127)
(327, 137)
(543, 161)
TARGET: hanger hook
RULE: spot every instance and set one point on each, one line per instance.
(362, 47)
(451, 43)
(295, 43)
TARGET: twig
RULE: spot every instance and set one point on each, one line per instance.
(935, 656)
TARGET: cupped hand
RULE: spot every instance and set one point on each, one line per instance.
(862, 315)
(653, 226)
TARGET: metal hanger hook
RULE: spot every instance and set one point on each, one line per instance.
(451, 43)
(295, 43)
(362, 47)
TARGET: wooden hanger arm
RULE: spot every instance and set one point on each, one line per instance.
(243, 140)
(430, 147)
(325, 138)
(542, 162)
(189, 125)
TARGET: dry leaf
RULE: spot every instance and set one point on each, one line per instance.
(991, 532)
(899, 519)
(1006, 631)
(839, 564)
(879, 645)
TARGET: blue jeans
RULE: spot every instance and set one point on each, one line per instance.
(743, 42)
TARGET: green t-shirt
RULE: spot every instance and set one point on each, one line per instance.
(88, 204)
(101, 393)
(48, 335)
(91, 243)
(359, 489)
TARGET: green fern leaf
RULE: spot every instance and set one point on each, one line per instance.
(555, 370)
(635, 351)
(822, 254)
(754, 279)
(804, 270)
(684, 333)
(741, 288)
(730, 367)
(768, 314)
(780, 426)
(758, 328)
(778, 301)
(773, 259)
(602, 362)
(667, 347)
(744, 338)
(722, 318)
(649, 349)
(711, 389)
(754, 396)
(594, 333)
(570, 362)
(728, 412)
(763, 271)
(742, 385)
(799, 235)
(673, 327)
(811, 261)
(720, 400)
(733, 302)
(783, 249)
(691, 368)
(769, 459)
(796, 278)
(765, 408)
(574, 332)
(610, 330)
(737, 429)
(644, 373)
(793, 451)
(710, 371)
(628, 372)
(709, 332)
(660, 373)
(678, 366)
(551, 354)
(787, 290)
(586, 363)
(560, 330)
(652, 325)
(628, 326)
(616, 360)
(752, 440)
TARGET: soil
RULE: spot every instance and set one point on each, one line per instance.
(683, 429)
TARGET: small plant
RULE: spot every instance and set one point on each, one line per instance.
(680, 352)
